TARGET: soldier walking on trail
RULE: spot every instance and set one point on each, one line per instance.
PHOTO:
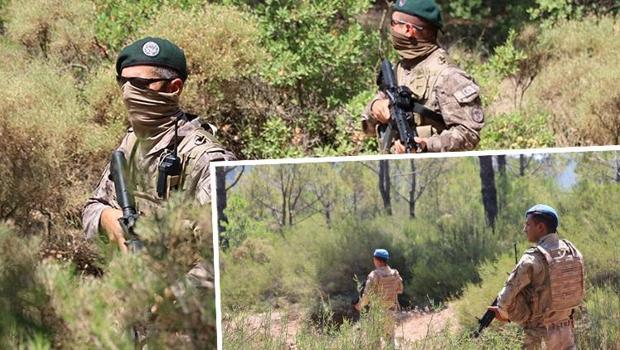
(452, 117)
(385, 283)
(546, 285)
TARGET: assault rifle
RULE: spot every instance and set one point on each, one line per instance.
(485, 321)
(359, 294)
(401, 102)
(125, 199)
(488, 317)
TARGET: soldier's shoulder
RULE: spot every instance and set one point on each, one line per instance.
(200, 142)
(456, 82)
(532, 255)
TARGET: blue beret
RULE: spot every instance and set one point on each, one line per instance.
(543, 209)
(382, 254)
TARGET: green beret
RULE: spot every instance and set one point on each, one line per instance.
(153, 52)
(425, 9)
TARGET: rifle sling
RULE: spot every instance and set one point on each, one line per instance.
(427, 113)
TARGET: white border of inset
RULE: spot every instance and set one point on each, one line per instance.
(216, 250)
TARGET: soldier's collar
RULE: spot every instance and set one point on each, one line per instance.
(548, 238)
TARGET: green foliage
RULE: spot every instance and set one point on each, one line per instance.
(26, 317)
(118, 20)
(236, 231)
(102, 311)
(310, 41)
(552, 11)
(274, 140)
(577, 86)
(603, 315)
(52, 29)
(516, 131)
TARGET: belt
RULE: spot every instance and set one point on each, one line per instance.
(560, 324)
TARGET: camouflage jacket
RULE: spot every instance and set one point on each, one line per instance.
(445, 89)
(526, 295)
(197, 148)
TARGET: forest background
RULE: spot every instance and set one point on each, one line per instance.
(279, 79)
(297, 240)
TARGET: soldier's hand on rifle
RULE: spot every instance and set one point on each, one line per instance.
(358, 306)
(498, 315)
(109, 222)
(381, 110)
(399, 148)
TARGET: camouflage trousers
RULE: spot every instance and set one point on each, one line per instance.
(558, 336)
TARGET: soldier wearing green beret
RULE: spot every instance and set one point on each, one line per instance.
(151, 73)
(448, 93)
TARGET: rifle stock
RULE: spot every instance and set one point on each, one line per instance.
(126, 200)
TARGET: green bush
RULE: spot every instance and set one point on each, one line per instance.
(517, 131)
(52, 29)
(147, 290)
(577, 86)
(26, 316)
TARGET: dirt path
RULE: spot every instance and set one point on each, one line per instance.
(414, 325)
(411, 325)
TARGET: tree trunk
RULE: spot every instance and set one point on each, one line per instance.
(617, 169)
(384, 185)
(503, 181)
(412, 190)
(522, 165)
(220, 183)
(489, 192)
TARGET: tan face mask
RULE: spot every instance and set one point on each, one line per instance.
(151, 113)
(411, 48)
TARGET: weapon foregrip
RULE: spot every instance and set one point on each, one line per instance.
(118, 169)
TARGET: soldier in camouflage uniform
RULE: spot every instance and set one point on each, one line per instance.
(385, 283)
(449, 94)
(545, 286)
(151, 73)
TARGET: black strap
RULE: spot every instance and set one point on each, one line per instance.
(427, 113)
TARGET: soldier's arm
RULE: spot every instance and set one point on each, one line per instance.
(400, 284)
(203, 189)
(370, 285)
(519, 278)
(103, 198)
(369, 122)
(460, 105)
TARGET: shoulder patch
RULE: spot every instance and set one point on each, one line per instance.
(467, 93)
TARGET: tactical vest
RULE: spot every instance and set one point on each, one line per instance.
(190, 148)
(565, 277)
(387, 287)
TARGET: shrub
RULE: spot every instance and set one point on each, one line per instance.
(580, 67)
(52, 29)
(26, 316)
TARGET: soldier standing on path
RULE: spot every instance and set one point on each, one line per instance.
(546, 285)
(385, 283)
(453, 115)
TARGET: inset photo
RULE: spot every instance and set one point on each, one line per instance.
(422, 252)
